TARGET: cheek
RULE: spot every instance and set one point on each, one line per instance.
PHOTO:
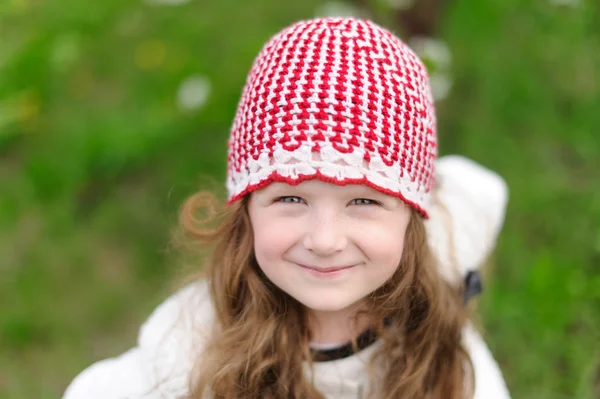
(384, 244)
(390, 252)
(272, 241)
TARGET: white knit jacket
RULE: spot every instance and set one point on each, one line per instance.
(465, 219)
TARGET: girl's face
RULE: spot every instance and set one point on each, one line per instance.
(327, 246)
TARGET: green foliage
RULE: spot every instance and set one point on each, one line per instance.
(96, 156)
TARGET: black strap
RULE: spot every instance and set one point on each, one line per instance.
(473, 285)
(364, 340)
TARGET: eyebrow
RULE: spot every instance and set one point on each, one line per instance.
(279, 189)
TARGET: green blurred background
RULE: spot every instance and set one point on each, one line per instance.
(113, 111)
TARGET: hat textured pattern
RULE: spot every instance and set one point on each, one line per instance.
(338, 99)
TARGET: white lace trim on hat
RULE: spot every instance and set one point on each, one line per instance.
(330, 163)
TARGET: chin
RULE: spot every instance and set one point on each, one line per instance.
(324, 304)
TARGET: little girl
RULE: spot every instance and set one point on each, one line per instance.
(340, 267)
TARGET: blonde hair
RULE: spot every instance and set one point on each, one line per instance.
(261, 336)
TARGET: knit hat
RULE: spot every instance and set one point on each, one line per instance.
(341, 100)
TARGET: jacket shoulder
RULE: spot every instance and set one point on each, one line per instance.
(489, 382)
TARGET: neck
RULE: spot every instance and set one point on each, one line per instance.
(337, 327)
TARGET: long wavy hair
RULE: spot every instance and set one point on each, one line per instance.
(261, 336)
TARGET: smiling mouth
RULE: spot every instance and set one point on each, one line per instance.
(326, 269)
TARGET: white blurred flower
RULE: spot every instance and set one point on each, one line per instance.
(432, 50)
(166, 2)
(337, 9)
(399, 4)
(571, 3)
(440, 85)
(193, 92)
(438, 58)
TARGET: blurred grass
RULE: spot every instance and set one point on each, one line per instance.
(96, 156)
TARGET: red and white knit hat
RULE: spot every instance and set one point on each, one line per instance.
(338, 99)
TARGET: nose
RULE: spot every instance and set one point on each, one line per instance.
(325, 235)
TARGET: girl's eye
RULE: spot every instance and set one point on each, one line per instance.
(363, 201)
(290, 200)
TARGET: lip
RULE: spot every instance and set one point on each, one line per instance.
(326, 271)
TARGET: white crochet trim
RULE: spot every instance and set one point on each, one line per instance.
(331, 163)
